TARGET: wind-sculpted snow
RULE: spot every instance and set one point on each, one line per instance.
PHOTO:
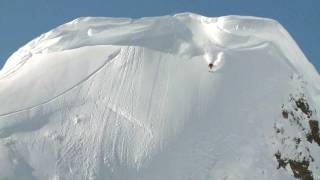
(176, 97)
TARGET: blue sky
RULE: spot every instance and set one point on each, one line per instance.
(23, 20)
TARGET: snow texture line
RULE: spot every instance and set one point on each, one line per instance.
(110, 57)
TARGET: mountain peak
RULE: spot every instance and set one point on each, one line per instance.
(172, 97)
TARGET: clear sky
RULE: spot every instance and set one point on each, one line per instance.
(23, 20)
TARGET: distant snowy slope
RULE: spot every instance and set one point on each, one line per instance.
(182, 97)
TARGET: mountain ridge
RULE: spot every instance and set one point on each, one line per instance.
(173, 97)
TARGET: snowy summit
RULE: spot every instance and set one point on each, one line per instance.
(182, 97)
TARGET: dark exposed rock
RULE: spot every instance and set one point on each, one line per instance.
(299, 168)
(285, 114)
(303, 106)
(315, 134)
(309, 137)
(297, 140)
(299, 113)
(282, 163)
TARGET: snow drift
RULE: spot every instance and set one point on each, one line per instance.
(182, 97)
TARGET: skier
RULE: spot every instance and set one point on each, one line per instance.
(210, 65)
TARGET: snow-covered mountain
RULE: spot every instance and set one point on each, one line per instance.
(182, 97)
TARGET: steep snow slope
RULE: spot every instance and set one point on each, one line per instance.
(119, 99)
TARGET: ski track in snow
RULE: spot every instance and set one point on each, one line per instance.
(108, 60)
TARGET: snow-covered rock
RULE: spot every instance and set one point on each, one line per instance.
(182, 97)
